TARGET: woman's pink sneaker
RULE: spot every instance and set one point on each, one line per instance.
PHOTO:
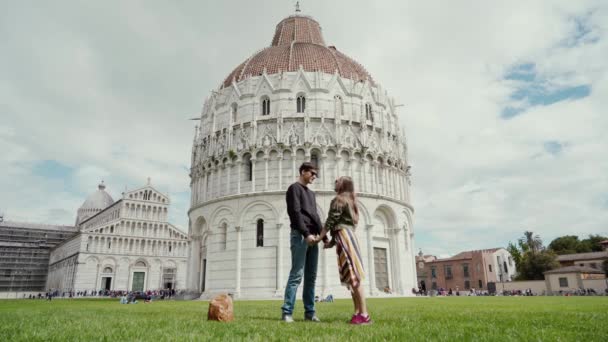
(359, 319)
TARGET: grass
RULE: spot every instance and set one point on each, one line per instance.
(397, 319)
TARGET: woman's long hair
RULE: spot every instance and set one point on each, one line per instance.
(346, 196)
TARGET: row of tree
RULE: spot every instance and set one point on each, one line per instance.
(532, 259)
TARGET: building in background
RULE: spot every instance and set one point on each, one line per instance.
(25, 250)
(466, 270)
(296, 100)
(125, 245)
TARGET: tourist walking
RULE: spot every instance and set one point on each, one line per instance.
(305, 226)
(342, 219)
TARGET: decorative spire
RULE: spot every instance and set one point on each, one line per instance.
(101, 186)
(149, 181)
(298, 7)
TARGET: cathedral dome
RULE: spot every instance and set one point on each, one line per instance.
(99, 200)
(298, 42)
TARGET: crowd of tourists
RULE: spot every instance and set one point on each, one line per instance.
(153, 294)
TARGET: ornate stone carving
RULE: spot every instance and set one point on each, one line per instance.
(292, 137)
(322, 136)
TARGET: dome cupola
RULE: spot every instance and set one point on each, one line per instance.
(95, 203)
(298, 43)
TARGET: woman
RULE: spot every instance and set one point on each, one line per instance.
(341, 220)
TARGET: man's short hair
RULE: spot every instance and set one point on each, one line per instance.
(307, 166)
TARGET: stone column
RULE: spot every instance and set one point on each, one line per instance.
(370, 260)
(401, 265)
(351, 167)
(204, 187)
(237, 287)
(220, 172)
(229, 168)
(294, 170)
(238, 176)
(280, 161)
(374, 168)
(280, 281)
(265, 172)
(340, 165)
(361, 175)
(324, 185)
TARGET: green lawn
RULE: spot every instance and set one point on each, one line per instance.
(402, 319)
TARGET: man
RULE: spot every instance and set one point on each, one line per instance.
(305, 224)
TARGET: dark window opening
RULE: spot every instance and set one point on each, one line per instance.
(301, 104)
(265, 106)
(260, 233)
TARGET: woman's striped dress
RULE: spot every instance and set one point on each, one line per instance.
(341, 225)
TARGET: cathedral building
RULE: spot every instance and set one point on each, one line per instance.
(121, 245)
(296, 100)
(125, 245)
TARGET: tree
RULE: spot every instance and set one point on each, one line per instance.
(515, 254)
(593, 242)
(534, 265)
(531, 259)
(532, 242)
(568, 244)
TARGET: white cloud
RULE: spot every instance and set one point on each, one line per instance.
(106, 89)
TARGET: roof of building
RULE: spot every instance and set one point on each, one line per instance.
(575, 269)
(99, 200)
(40, 226)
(583, 256)
(298, 43)
(469, 254)
(426, 258)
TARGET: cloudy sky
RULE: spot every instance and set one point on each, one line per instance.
(504, 103)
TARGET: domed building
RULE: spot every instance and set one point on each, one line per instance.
(297, 100)
(123, 245)
(96, 202)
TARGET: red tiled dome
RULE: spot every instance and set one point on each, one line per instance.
(298, 41)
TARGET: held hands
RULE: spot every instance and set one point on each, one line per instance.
(311, 240)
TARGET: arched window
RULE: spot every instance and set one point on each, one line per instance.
(265, 105)
(369, 115)
(338, 106)
(314, 159)
(233, 111)
(224, 236)
(301, 104)
(260, 233)
(248, 168)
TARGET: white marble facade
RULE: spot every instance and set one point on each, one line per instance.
(128, 245)
(244, 157)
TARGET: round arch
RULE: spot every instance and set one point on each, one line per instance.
(388, 213)
(243, 211)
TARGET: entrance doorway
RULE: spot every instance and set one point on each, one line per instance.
(106, 283)
(381, 268)
(138, 281)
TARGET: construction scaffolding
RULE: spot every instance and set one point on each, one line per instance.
(24, 254)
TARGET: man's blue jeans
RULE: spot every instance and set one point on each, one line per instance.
(304, 260)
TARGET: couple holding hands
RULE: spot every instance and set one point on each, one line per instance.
(307, 231)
